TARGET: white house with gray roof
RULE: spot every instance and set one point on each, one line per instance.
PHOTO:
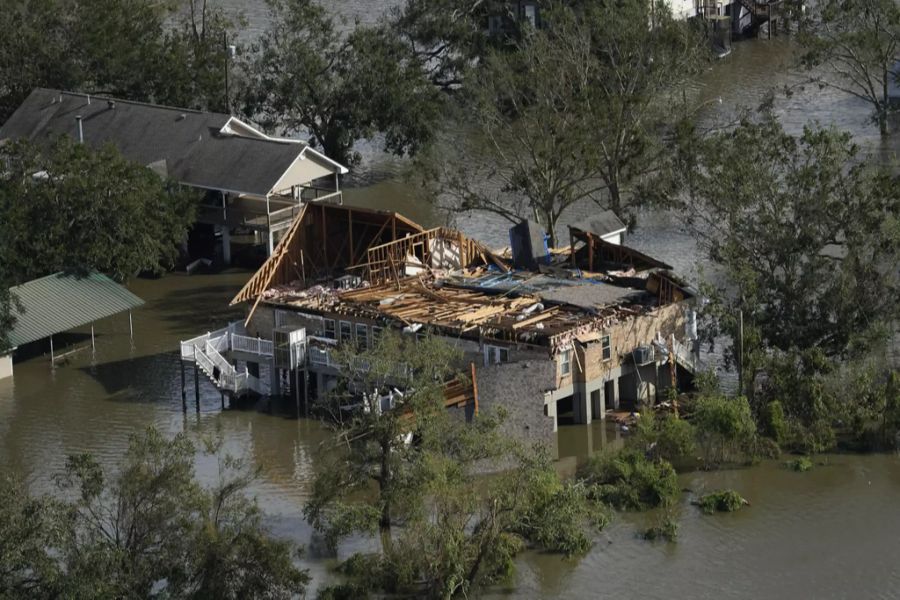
(253, 181)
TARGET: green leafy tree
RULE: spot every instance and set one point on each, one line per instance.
(134, 49)
(150, 530)
(628, 480)
(68, 207)
(371, 444)
(854, 46)
(571, 112)
(29, 528)
(805, 233)
(307, 75)
(419, 466)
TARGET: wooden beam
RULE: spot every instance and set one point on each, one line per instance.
(535, 319)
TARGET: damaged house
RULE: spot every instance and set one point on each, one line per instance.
(553, 335)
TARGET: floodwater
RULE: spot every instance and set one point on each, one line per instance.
(829, 533)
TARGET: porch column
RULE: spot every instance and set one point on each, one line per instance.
(274, 380)
(581, 405)
(226, 245)
(270, 244)
(615, 393)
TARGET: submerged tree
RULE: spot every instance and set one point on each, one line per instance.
(371, 441)
(855, 45)
(572, 111)
(807, 236)
(67, 207)
(307, 75)
(456, 529)
(149, 530)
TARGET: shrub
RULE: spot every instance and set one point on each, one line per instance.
(665, 529)
(666, 437)
(773, 421)
(629, 481)
(725, 428)
(800, 464)
(721, 501)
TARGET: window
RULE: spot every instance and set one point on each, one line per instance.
(606, 345)
(362, 335)
(565, 362)
(346, 331)
(495, 355)
(376, 334)
(530, 13)
(328, 330)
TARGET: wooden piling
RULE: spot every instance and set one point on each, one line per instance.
(197, 386)
(183, 390)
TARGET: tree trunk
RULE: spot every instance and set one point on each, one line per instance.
(384, 481)
(615, 197)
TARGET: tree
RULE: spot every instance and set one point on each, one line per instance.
(460, 530)
(133, 49)
(7, 302)
(150, 530)
(67, 207)
(855, 45)
(307, 75)
(370, 445)
(806, 236)
(574, 111)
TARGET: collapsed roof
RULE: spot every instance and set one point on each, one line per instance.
(379, 266)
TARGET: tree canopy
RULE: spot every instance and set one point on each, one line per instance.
(573, 111)
(459, 529)
(855, 47)
(150, 530)
(133, 49)
(805, 230)
(67, 207)
(307, 75)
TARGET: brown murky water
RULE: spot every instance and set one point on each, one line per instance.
(830, 533)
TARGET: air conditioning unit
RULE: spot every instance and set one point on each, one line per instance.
(642, 355)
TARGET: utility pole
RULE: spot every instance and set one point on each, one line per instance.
(228, 53)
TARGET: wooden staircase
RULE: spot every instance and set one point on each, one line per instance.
(761, 12)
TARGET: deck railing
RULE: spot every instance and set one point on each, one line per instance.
(251, 345)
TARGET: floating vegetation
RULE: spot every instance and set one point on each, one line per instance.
(801, 464)
(666, 529)
(721, 501)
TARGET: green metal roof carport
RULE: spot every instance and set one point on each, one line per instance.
(60, 302)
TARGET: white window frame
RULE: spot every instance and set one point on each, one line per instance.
(494, 355)
(331, 335)
(362, 334)
(565, 362)
(349, 337)
(606, 347)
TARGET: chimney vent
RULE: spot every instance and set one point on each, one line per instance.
(111, 104)
(79, 118)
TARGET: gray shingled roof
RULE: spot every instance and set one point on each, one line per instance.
(604, 223)
(186, 145)
(59, 302)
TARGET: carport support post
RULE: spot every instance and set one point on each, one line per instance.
(52, 362)
(196, 382)
(130, 326)
(183, 390)
(93, 347)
